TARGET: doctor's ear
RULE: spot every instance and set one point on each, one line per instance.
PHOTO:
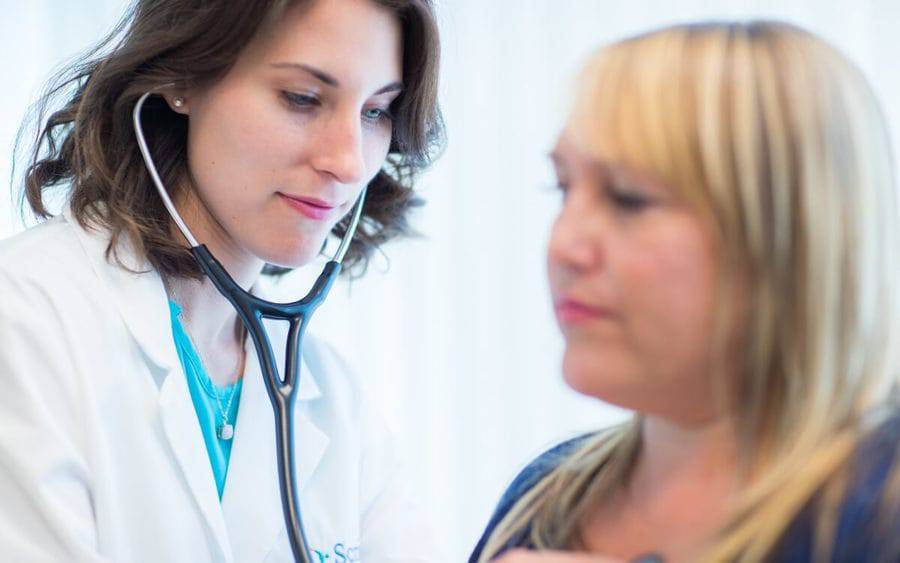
(178, 102)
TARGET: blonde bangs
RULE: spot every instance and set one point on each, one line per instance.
(647, 102)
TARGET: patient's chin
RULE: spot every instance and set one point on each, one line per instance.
(599, 377)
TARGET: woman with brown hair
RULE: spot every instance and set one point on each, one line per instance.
(134, 424)
(725, 265)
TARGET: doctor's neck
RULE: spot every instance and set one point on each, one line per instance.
(213, 326)
(241, 265)
(210, 320)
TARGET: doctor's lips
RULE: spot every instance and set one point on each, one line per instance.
(311, 207)
(572, 312)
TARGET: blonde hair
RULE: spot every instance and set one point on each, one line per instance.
(779, 141)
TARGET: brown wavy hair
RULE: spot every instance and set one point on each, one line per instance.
(89, 145)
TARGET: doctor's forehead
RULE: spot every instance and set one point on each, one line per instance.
(357, 42)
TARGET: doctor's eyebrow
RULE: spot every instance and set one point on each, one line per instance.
(329, 80)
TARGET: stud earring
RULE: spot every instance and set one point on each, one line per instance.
(178, 102)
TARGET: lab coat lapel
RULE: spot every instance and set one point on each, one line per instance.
(180, 424)
(252, 498)
(142, 303)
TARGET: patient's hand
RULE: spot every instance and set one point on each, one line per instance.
(527, 556)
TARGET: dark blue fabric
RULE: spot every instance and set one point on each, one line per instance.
(863, 534)
(527, 478)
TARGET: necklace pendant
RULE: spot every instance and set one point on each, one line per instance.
(225, 432)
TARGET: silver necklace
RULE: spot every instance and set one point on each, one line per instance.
(225, 430)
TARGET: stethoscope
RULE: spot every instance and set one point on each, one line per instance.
(252, 310)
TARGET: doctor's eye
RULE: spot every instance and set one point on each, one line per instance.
(300, 101)
(378, 114)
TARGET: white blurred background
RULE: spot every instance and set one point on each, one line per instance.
(455, 329)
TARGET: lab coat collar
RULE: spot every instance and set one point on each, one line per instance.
(252, 504)
(140, 297)
(138, 294)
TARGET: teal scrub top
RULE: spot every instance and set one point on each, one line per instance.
(209, 399)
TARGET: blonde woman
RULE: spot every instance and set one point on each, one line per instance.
(724, 264)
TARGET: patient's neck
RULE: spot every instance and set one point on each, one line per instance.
(679, 493)
(699, 452)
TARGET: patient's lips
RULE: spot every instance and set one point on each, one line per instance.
(571, 311)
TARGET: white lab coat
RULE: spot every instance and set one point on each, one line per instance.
(101, 455)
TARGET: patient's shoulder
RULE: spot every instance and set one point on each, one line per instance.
(869, 517)
(541, 466)
(869, 513)
(527, 478)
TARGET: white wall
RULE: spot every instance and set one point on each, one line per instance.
(458, 336)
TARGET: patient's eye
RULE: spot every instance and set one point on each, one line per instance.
(627, 199)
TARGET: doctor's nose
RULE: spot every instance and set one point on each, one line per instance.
(339, 150)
